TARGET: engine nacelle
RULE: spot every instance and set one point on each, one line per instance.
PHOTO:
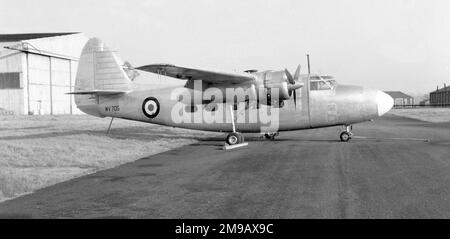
(273, 88)
(277, 80)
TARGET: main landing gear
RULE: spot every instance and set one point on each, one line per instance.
(346, 135)
(270, 136)
(234, 137)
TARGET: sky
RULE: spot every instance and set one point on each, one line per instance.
(385, 44)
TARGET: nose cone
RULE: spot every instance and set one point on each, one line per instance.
(384, 102)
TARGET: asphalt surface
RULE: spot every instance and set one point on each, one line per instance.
(303, 174)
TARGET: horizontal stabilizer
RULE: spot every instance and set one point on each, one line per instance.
(97, 92)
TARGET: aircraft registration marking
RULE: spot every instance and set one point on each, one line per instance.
(114, 108)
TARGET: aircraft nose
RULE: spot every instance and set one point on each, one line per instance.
(384, 102)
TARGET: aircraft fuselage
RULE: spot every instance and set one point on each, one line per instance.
(342, 105)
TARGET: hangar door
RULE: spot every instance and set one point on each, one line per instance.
(49, 80)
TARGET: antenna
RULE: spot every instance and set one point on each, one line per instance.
(307, 58)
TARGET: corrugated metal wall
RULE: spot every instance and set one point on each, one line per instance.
(440, 98)
(39, 84)
(11, 99)
(49, 77)
(60, 74)
(50, 80)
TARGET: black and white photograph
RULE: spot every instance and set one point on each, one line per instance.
(210, 109)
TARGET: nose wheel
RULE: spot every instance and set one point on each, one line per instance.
(346, 135)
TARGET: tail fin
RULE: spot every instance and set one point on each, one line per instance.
(99, 69)
(100, 72)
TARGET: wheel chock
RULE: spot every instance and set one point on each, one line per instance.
(227, 146)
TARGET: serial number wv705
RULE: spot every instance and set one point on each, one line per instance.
(112, 108)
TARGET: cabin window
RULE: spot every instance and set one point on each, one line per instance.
(322, 84)
(319, 85)
(313, 85)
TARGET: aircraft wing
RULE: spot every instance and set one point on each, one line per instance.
(210, 77)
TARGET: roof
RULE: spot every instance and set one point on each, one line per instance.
(28, 36)
(397, 94)
(443, 89)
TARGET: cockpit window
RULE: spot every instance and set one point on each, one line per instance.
(322, 83)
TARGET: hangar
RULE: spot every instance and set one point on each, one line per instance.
(36, 70)
(440, 97)
(400, 99)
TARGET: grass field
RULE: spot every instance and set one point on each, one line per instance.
(38, 151)
(435, 115)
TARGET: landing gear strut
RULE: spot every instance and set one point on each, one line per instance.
(346, 135)
(270, 136)
(234, 137)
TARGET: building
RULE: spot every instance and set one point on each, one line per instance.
(424, 102)
(36, 70)
(400, 99)
(440, 97)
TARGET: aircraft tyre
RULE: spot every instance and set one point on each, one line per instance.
(345, 136)
(270, 136)
(234, 138)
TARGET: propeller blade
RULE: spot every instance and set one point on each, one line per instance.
(295, 99)
(294, 84)
(289, 76)
(297, 73)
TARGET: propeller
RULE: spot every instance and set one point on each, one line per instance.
(293, 83)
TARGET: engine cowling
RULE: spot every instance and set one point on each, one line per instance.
(277, 80)
(273, 87)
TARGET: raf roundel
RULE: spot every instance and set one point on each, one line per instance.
(150, 107)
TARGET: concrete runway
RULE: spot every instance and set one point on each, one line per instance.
(303, 174)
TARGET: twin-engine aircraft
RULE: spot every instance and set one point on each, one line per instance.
(265, 102)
